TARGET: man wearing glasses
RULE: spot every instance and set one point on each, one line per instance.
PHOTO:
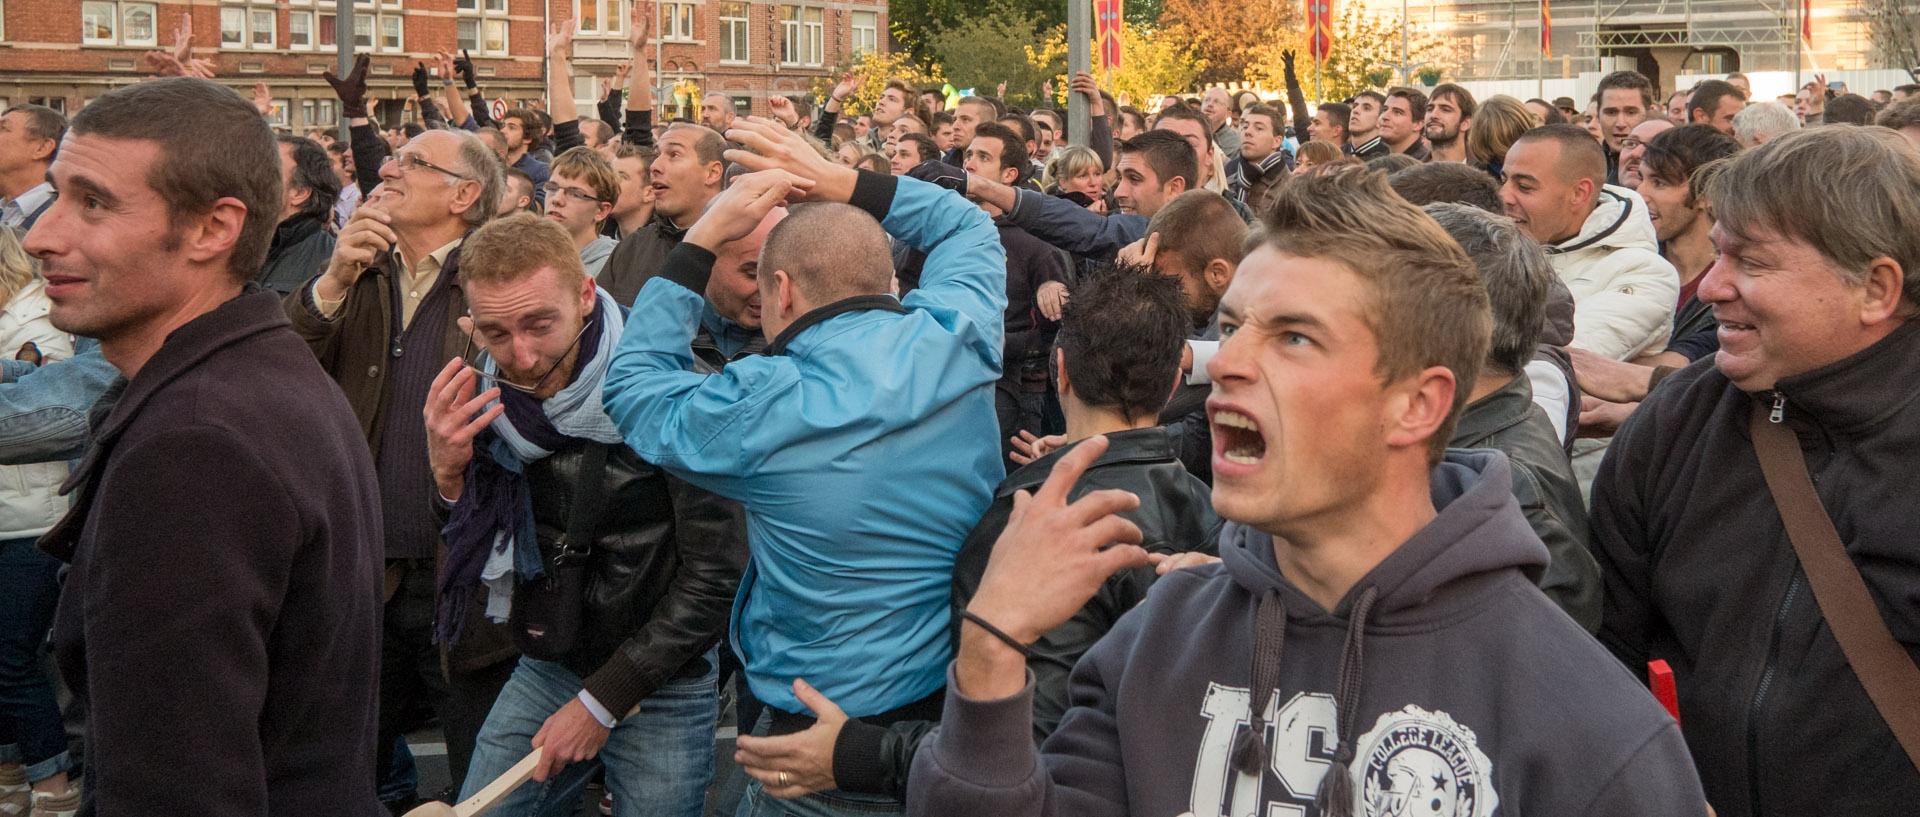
(383, 319)
(580, 194)
(531, 472)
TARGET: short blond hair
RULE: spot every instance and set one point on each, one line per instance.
(1068, 162)
(513, 247)
(1428, 304)
(1499, 123)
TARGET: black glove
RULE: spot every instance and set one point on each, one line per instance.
(1287, 58)
(941, 173)
(463, 65)
(352, 90)
(420, 79)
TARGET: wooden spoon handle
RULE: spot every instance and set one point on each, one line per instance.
(502, 786)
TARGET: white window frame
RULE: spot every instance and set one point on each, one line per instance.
(372, 36)
(460, 43)
(487, 6)
(866, 37)
(273, 27)
(728, 24)
(612, 17)
(319, 25)
(91, 9)
(815, 31)
(506, 31)
(153, 24)
(676, 22)
(789, 35)
(399, 44)
(313, 30)
(466, 6)
(485, 15)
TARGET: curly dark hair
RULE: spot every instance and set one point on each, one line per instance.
(1122, 334)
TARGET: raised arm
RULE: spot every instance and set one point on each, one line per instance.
(565, 113)
(1297, 99)
(830, 112)
(639, 125)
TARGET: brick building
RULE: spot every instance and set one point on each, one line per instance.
(63, 52)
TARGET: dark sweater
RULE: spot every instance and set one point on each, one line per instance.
(1475, 693)
(221, 616)
(406, 476)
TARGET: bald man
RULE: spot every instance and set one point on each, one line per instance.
(853, 530)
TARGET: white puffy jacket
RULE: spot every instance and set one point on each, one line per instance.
(1624, 293)
(30, 500)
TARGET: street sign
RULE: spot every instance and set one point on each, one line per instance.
(499, 108)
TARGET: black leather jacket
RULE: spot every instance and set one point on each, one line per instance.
(666, 560)
(1175, 515)
(1508, 421)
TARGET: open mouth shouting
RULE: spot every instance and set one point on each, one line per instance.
(1236, 438)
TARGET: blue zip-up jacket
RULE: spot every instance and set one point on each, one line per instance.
(1073, 228)
(43, 409)
(863, 453)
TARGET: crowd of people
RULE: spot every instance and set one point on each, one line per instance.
(1409, 453)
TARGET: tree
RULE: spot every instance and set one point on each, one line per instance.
(983, 51)
(873, 69)
(1150, 63)
(1893, 26)
(915, 23)
(1365, 50)
(1229, 34)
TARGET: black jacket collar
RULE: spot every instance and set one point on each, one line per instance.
(1860, 391)
(1504, 408)
(1132, 445)
(820, 315)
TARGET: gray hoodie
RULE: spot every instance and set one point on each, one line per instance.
(1444, 683)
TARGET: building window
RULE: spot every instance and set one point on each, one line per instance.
(676, 21)
(599, 16)
(801, 30)
(263, 28)
(300, 29)
(103, 22)
(496, 6)
(482, 36)
(317, 113)
(362, 31)
(390, 39)
(328, 35)
(733, 32)
(866, 31)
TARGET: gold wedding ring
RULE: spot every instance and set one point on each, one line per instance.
(783, 780)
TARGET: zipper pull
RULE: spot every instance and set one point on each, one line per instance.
(1779, 408)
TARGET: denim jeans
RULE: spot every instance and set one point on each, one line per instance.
(658, 762)
(835, 803)
(31, 731)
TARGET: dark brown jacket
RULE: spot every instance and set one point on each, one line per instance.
(355, 348)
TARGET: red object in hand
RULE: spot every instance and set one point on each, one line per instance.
(1660, 678)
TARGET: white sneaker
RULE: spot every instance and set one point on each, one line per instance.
(606, 804)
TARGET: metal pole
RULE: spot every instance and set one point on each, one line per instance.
(1799, 25)
(343, 45)
(1079, 58)
(1540, 55)
(1406, 63)
(659, 66)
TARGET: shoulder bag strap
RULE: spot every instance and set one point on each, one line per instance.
(1883, 666)
(589, 499)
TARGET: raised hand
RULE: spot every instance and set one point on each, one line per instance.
(1000, 90)
(1287, 57)
(164, 64)
(620, 73)
(1141, 252)
(183, 38)
(643, 14)
(454, 417)
(444, 61)
(262, 99)
(782, 109)
(200, 67)
(560, 40)
(1082, 83)
(772, 147)
(362, 242)
(464, 65)
(1054, 555)
(1046, 91)
(739, 211)
(420, 79)
(846, 86)
(352, 90)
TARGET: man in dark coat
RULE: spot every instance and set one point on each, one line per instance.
(221, 613)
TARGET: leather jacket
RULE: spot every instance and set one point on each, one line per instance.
(666, 559)
(1175, 516)
(1508, 421)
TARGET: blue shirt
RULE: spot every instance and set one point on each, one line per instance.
(863, 456)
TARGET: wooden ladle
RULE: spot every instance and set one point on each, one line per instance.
(488, 797)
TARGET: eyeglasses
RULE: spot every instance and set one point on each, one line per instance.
(1629, 143)
(468, 357)
(409, 161)
(553, 189)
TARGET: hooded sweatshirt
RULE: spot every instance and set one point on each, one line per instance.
(1444, 682)
(1623, 291)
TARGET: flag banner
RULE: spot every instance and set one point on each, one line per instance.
(1806, 21)
(1546, 29)
(1320, 28)
(1106, 25)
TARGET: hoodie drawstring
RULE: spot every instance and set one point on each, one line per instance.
(1336, 796)
(1269, 636)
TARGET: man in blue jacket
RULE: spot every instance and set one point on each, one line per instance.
(863, 446)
